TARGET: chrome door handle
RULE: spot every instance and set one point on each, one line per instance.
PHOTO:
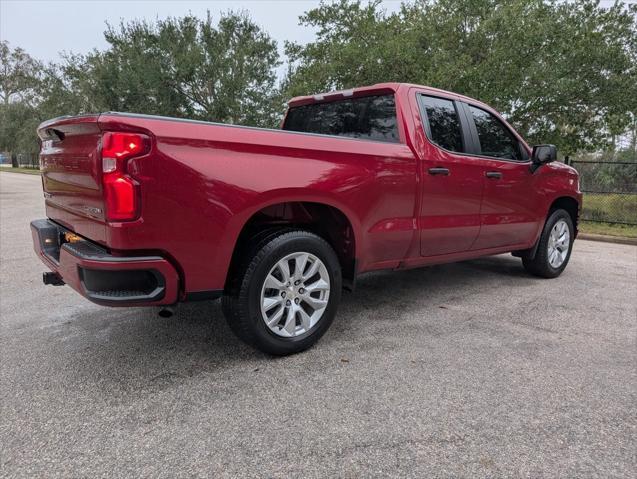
(494, 175)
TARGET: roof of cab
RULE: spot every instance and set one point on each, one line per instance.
(366, 90)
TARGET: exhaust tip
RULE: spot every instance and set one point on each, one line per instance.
(166, 312)
(53, 279)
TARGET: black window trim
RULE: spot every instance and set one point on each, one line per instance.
(399, 141)
(476, 150)
(465, 134)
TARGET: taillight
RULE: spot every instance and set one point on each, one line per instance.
(121, 197)
(120, 189)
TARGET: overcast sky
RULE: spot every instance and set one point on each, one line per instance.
(46, 27)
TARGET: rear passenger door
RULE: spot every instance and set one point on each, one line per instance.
(452, 180)
(509, 199)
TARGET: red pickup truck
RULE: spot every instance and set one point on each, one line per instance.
(145, 210)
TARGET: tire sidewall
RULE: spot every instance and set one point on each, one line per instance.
(276, 250)
(548, 227)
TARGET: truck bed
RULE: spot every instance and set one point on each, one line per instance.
(201, 182)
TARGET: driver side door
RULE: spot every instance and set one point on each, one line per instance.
(508, 215)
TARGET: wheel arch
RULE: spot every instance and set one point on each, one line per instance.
(565, 202)
(570, 205)
(321, 217)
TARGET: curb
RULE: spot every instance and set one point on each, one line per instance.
(607, 238)
(34, 173)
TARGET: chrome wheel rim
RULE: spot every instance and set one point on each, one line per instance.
(295, 294)
(559, 243)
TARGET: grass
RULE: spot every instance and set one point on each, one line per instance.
(599, 207)
(28, 171)
(616, 207)
(590, 227)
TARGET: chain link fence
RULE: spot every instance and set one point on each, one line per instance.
(609, 183)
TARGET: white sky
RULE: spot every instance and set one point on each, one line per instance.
(46, 27)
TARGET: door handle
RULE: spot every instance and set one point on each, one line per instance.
(439, 171)
(494, 175)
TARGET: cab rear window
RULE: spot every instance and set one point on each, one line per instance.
(369, 118)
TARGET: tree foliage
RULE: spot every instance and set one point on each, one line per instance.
(562, 72)
(181, 67)
(184, 67)
(20, 77)
(19, 74)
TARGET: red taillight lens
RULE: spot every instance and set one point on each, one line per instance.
(122, 145)
(120, 190)
(121, 197)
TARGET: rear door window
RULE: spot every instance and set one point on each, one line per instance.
(444, 127)
(495, 139)
(370, 117)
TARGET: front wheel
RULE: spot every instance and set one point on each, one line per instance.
(554, 249)
(286, 293)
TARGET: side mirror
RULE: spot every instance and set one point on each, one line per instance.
(543, 154)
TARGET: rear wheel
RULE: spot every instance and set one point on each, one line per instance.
(286, 293)
(554, 249)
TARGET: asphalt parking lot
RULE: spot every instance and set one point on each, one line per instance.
(462, 370)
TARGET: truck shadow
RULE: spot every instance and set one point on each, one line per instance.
(132, 348)
(435, 284)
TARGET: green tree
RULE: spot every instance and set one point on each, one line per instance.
(20, 77)
(30, 93)
(183, 67)
(561, 72)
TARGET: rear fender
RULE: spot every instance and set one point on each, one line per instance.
(287, 195)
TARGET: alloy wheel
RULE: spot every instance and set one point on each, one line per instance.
(558, 244)
(295, 294)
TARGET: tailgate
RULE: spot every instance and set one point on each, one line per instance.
(71, 174)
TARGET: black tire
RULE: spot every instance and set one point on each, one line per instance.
(540, 264)
(241, 303)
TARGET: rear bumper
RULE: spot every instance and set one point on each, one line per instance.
(101, 277)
